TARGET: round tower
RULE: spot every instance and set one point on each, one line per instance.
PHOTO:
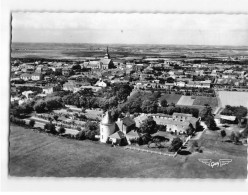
(107, 127)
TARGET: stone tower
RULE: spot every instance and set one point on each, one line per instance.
(107, 127)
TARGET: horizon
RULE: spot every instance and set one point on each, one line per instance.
(129, 44)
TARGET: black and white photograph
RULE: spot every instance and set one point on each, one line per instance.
(127, 96)
(116, 95)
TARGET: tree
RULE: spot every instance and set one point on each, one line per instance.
(223, 133)
(80, 135)
(170, 80)
(144, 139)
(40, 106)
(175, 144)
(189, 130)
(148, 126)
(163, 102)
(210, 122)
(50, 128)
(149, 106)
(90, 134)
(32, 123)
(91, 126)
(76, 67)
(206, 111)
(61, 130)
(55, 117)
(232, 136)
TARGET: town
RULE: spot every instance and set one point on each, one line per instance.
(165, 106)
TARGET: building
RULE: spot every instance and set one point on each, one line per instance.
(107, 127)
(125, 124)
(26, 76)
(106, 62)
(177, 123)
(101, 83)
(36, 76)
(66, 71)
(117, 132)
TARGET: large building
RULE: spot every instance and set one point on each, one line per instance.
(106, 62)
(115, 132)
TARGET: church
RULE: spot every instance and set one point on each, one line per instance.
(106, 62)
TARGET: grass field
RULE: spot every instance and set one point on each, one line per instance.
(37, 154)
(186, 101)
(172, 98)
(202, 100)
(233, 98)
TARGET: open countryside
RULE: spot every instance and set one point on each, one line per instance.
(37, 154)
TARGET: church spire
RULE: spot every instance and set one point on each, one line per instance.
(107, 56)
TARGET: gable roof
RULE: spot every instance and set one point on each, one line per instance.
(128, 121)
(117, 135)
(133, 134)
(105, 61)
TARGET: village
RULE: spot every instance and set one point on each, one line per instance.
(146, 104)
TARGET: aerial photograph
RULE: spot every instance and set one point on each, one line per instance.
(128, 95)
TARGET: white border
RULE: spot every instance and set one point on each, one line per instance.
(98, 184)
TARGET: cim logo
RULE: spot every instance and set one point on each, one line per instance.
(213, 164)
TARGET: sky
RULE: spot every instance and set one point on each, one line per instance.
(133, 28)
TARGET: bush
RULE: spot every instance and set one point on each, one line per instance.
(17, 121)
(40, 106)
(61, 130)
(223, 133)
(81, 135)
(50, 128)
(32, 123)
(175, 144)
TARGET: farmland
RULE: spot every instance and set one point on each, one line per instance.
(233, 98)
(38, 154)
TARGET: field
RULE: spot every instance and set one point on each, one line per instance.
(202, 100)
(172, 98)
(233, 98)
(37, 154)
(185, 101)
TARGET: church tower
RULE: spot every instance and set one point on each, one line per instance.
(107, 127)
(107, 56)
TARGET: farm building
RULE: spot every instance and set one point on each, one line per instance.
(177, 123)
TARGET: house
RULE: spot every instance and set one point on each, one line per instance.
(27, 93)
(132, 136)
(228, 119)
(177, 123)
(66, 71)
(101, 83)
(50, 89)
(180, 84)
(125, 124)
(117, 138)
(47, 90)
(36, 76)
(26, 76)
